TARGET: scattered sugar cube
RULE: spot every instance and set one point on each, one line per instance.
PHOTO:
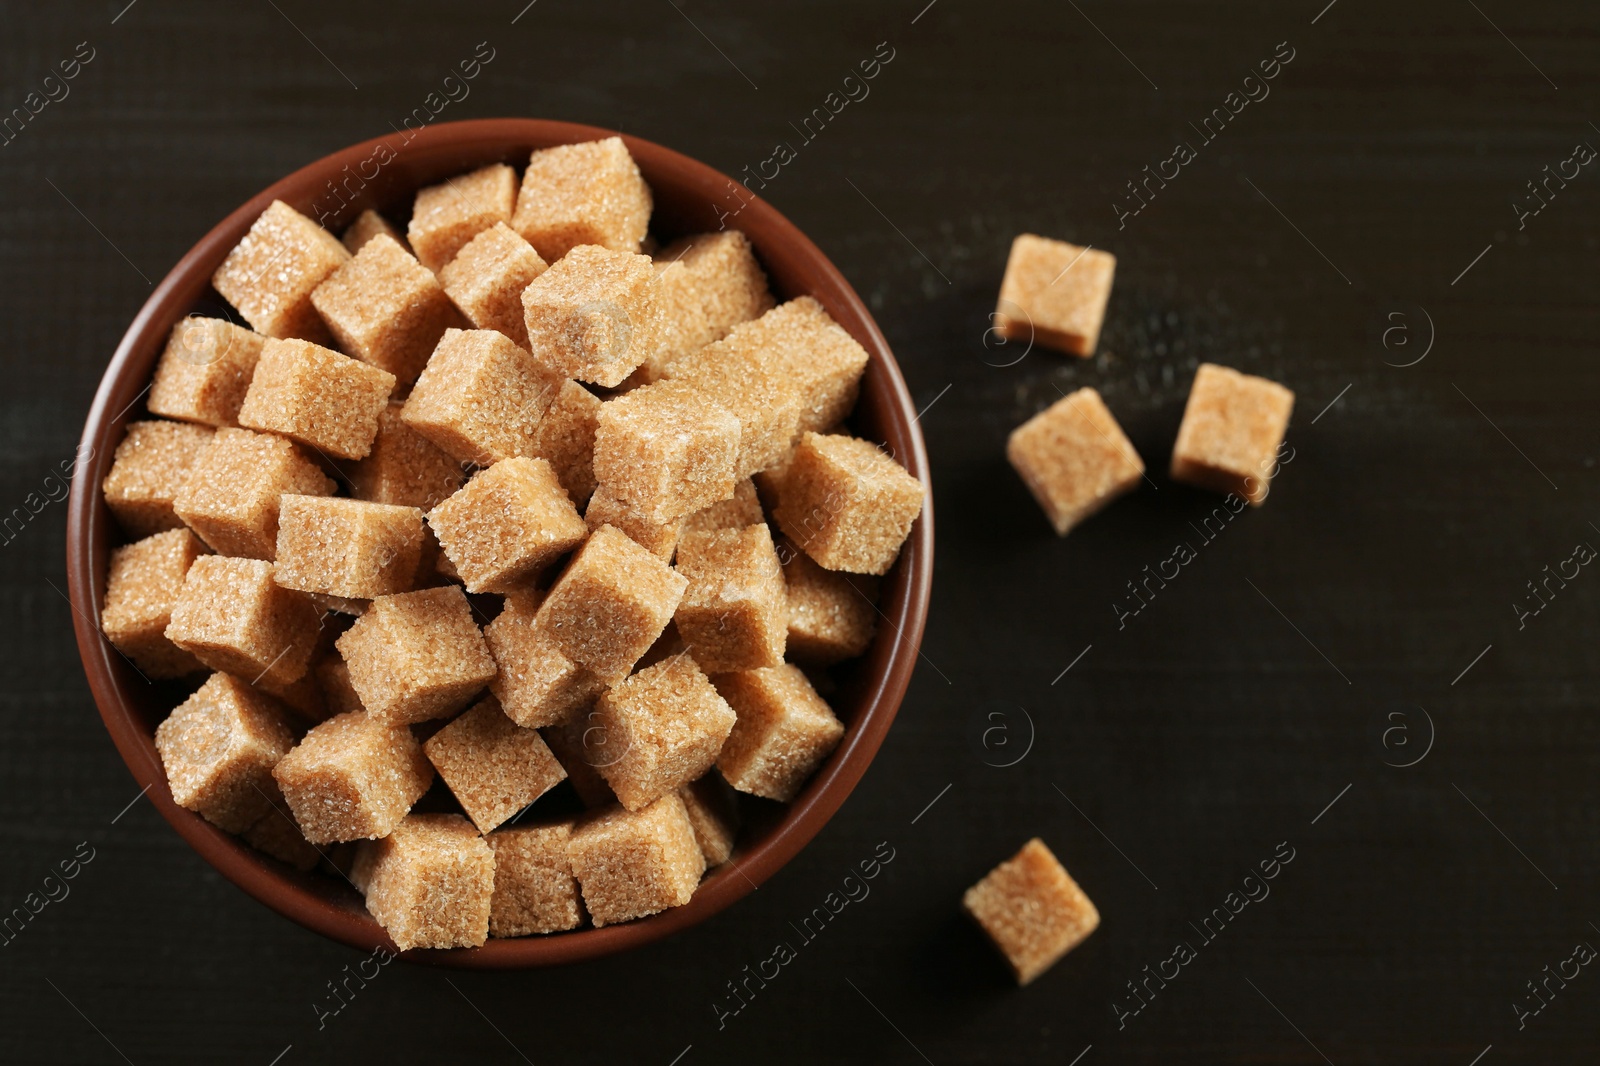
(333, 677)
(610, 604)
(785, 731)
(821, 363)
(658, 538)
(537, 685)
(738, 373)
(204, 371)
(276, 834)
(832, 616)
(317, 397)
(1032, 910)
(634, 863)
(849, 505)
(385, 308)
(564, 438)
(1074, 458)
(1231, 433)
(369, 224)
(269, 275)
(481, 398)
(534, 890)
(662, 728)
(735, 612)
(347, 548)
(486, 278)
(353, 777)
(429, 883)
(492, 765)
(714, 813)
(446, 216)
(590, 193)
(743, 508)
(732, 286)
(1055, 293)
(667, 450)
(143, 582)
(404, 467)
(148, 472)
(232, 616)
(231, 496)
(506, 524)
(595, 315)
(684, 326)
(219, 747)
(417, 655)
(576, 745)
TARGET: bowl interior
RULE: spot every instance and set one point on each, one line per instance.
(383, 174)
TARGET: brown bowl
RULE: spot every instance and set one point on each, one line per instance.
(383, 173)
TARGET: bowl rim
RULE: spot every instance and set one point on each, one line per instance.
(90, 535)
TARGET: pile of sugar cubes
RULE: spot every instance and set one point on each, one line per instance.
(1075, 459)
(505, 500)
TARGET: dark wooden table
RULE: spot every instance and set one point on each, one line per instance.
(1353, 231)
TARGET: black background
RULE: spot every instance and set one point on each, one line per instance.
(1179, 751)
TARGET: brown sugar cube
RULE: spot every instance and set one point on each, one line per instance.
(849, 505)
(784, 731)
(446, 216)
(317, 397)
(232, 616)
(576, 745)
(368, 224)
(832, 616)
(276, 834)
(353, 777)
(590, 193)
(1074, 458)
(481, 398)
(1055, 293)
(429, 883)
(148, 472)
(658, 538)
(404, 467)
(219, 747)
(732, 286)
(417, 655)
(610, 604)
(486, 278)
(684, 326)
(1231, 433)
(347, 548)
(666, 449)
(143, 582)
(204, 371)
(302, 698)
(662, 728)
(564, 438)
(385, 308)
(595, 315)
(714, 813)
(1032, 910)
(492, 765)
(634, 863)
(508, 523)
(231, 496)
(738, 374)
(269, 274)
(735, 612)
(821, 363)
(743, 508)
(333, 677)
(537, 685)
(534, 890)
